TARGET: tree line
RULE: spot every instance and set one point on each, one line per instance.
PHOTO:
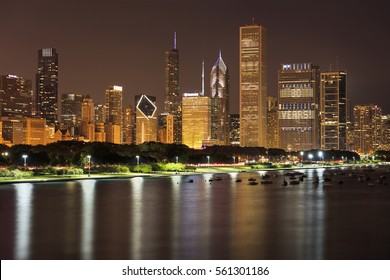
(74, 153)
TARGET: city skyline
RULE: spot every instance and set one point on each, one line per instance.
(122, 49)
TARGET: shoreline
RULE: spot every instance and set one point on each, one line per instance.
(201, 170)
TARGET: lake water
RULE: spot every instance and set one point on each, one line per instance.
(172, 218)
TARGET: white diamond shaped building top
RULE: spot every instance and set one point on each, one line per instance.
(146, 119)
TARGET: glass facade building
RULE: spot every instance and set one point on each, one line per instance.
(367, 128)
(172, 96)
(196, 119)
(16, 96)
(71, 104)
(46, 101)
(334, 110)
(113, 102)
(146, 118)
(272, 122)
(219, 85)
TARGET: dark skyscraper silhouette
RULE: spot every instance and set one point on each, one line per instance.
(46, 101)
(172, 95)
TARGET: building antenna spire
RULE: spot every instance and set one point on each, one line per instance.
(203, 77)
(253, 20)
(220, 54)
(174, 41)
(337, 63)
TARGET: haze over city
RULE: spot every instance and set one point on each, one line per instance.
(123, 42)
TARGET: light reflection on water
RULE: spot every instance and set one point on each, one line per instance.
(174, 218)
(24, 193)
(87, 218)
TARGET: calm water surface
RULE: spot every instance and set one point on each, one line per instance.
(172, 218)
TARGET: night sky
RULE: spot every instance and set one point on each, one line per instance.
(102, 43)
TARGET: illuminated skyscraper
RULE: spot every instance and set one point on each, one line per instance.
(46, 103)
(16, 96)
(334, 110)
(165, 128)
(219, 84)
(385, 138)
(146, 119)
(253, 86)
(299, 93)
(100, 113)
(234, 121)
(272, 122)
(113, 102)
(367, 128)
(87, 128)
(172, 95)
(196, 119)
(112, 133)
(128, 125)
(30, 131)
(88, 109)
(71, 109)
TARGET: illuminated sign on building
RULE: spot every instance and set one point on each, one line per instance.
(297, 115)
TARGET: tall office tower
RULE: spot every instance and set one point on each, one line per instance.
(71, 109)
(299, 93)
(146, 119)
(88, 109)
(367, 128)
(46, 100)
(272, 122)
(100, 113)
(196, 119)
(253, 86)
(234, 129)
(165, 128)
(350, 137)
(113, 102)
(87, 126)
(385, 138)
(128, 125)
(333, 110)
(219, 85)
(172, 95)
(16, 96)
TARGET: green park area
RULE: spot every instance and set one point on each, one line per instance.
(68, 160)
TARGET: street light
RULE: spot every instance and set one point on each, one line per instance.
(320, 155)
(234, 159)
(177, 159)
(25, 161)
(208, 159)
(137, 157)
(301, 153)
(310, 156)
(89, 165)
